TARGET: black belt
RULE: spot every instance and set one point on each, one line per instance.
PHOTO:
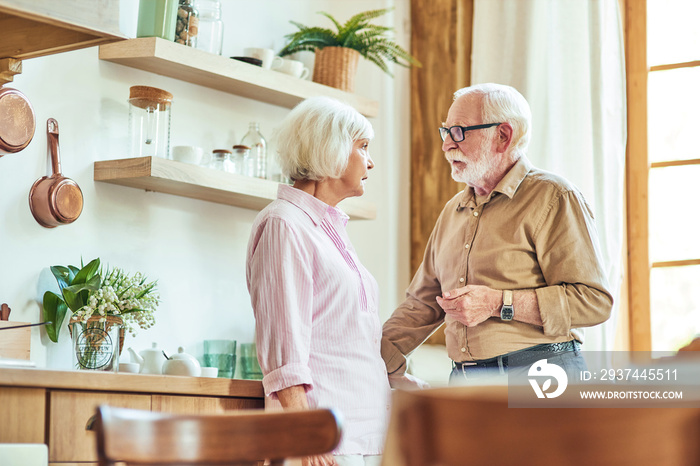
(524, 357)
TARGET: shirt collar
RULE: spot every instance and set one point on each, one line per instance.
(508, 185)
(315, 208)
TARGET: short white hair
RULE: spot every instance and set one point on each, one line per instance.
(316, 138)
(503, 104)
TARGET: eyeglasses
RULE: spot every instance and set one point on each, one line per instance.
(457, 132)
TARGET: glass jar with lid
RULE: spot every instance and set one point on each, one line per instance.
(210, 36)
(149, 121)
(187, 24)
(221, 160)
(242, 162)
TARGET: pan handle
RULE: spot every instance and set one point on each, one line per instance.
(52, 139)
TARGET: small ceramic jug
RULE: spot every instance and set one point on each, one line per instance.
(150, 360)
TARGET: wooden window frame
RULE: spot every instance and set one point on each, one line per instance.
(637, 175)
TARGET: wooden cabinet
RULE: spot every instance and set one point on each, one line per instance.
(71, 414)
(57, 408)
(33, 28)
(22, 413)
(200, 404)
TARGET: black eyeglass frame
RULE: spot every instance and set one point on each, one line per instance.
(445, 131)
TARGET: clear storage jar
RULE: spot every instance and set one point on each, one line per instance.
(242, 161)
(210, 35)
(149, 121)
(187, 24)
(221, 160)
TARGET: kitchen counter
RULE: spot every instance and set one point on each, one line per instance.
(133, 383)
(57, 408)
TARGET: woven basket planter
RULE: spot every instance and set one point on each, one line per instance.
(336, 67)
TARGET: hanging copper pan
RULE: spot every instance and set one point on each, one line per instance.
(17, 122)
(55, 200)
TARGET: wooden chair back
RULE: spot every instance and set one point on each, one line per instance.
(241, 437)
(474, 426)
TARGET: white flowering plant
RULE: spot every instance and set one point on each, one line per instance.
(87, 294)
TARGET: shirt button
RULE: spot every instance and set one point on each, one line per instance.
(461, 280)
(464, 350)
(466, 246)
(476, 214)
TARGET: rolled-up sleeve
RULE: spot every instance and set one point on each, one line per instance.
(577, 293)
(417, 317)
(280, 283)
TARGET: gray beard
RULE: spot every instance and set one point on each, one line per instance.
(475, 173)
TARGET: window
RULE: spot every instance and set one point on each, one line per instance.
(672, 110)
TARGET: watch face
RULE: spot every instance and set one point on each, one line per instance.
(507, 313)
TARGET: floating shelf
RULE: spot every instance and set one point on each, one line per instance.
(225, 74)
(182, 179)
(34, 28)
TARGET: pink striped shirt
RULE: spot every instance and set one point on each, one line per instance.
(317, 322)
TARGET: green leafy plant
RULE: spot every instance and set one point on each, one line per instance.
(90, 291)
(357, 34)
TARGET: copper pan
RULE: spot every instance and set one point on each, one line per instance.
(17, 122)
(55, 200)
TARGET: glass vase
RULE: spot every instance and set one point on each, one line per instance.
(97, 343)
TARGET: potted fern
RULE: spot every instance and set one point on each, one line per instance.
(337, 53)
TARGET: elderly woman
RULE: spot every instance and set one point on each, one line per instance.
(317, 327)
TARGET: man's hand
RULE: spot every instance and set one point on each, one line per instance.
(407, 382)
(472, 304)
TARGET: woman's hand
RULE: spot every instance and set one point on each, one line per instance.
(294, 397)
(407, 382)
(320, 460)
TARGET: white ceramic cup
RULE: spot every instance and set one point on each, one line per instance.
(266, 55)
(210, 372)
(292, 67)
(188, 154)
(130, 367)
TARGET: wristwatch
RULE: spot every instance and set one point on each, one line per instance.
(507, 308)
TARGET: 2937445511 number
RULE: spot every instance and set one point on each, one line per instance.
(611, 375)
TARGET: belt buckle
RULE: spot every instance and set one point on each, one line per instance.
(465, 363)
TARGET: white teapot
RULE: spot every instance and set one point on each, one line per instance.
(149, 360)
(182, 363)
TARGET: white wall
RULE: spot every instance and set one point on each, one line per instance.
(195, 249)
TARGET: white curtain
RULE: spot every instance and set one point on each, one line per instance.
(567, 58)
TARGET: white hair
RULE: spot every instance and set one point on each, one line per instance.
(317, 136)
(504, 104)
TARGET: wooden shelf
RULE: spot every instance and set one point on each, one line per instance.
(182, 179)
(225, 74)
(34, 28)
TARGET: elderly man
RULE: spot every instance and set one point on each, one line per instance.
(513, 265)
